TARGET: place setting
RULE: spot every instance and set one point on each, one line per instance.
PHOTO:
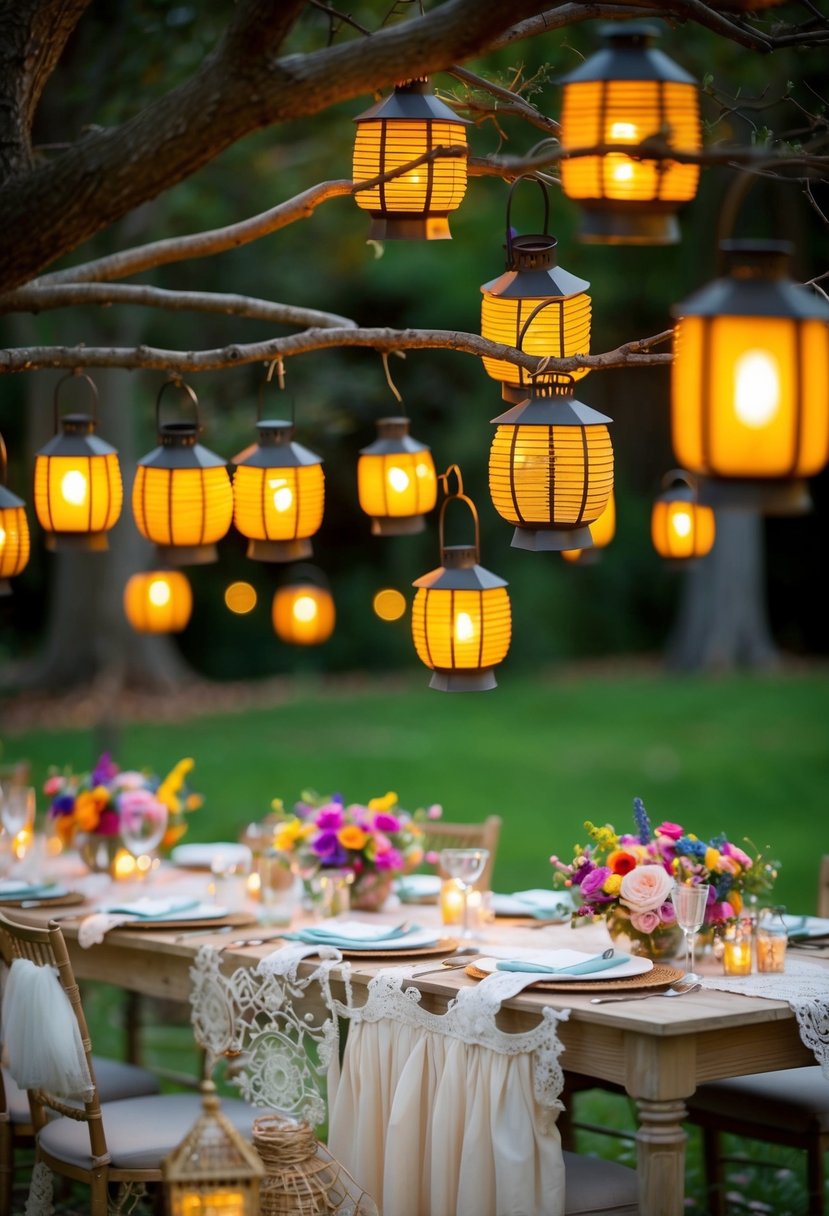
(356, 939)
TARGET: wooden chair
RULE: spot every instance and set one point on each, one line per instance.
(102, 1144)
(442, 835)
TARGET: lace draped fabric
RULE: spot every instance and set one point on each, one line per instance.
(805, 989)
(39, 1199)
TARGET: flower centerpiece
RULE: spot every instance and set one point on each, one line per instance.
(86, 808)
(627, 879)
(374, 842)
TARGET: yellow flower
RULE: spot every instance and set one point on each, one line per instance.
(193, 802)
(611, 885)
(712, 859)
(736, 901)
(387, 803)
(291, 833)
(277, 805)
(352, 837)
(88, 807)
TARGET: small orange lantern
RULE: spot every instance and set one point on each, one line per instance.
(303, 610)
(602, 532)
(278, 494)
(396, 480)
(14, 529)
(182, 497)
(78, 489)
(409, 124)
(159, 601)
(682, 528)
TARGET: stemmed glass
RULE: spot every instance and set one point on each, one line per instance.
(142, 824)
(466, 866)
(689, 904)
(17, 815)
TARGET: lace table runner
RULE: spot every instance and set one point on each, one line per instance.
(805, 989)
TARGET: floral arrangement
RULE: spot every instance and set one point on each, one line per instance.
(92, 803)
(637, 871)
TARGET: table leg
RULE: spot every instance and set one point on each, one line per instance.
(660, 1143)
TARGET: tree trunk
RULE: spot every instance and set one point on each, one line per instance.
(722, 623)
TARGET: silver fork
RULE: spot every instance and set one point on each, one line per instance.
(678, 989)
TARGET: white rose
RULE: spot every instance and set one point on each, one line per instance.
(645, 887)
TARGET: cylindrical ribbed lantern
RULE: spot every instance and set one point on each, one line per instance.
(510, 311)
(159, 601)
(622, 95)
(551, 469)
(396, 480)
(682, 528)
(750, 383)
(461, 617)
(14, 529)
(602, 532)
(278, 494)
(303, 610)
(402, 127)
(182, 497)
(78, 488)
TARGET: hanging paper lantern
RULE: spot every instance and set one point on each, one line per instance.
(410, 123)
(14, 529)
(551, 469)
(159, 601)
(303, 610)
(682, 528)
(750, 382)
(602, 532)
(625, 94)
(78, 489)
(278, 494)
(534, 305)
(396, 481)
(182, 498)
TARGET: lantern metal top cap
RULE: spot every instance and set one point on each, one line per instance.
(8, 499)
(756, 285)
(393, 436)
(629, 56)
(460, 572)
(276, 447)
(551, 405)
(411, 100)
(757, 259)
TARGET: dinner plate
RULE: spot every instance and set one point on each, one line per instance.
(60, 898)
(661, 976)
(562, 958)
(186, 921)
(447, 945)
(202, 856)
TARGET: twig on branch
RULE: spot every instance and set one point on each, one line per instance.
(513, 102)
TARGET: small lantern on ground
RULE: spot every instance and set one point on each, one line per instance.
(409, 124)
(396, 480)
(461, 617)
(303, 611)
(78, 488)
(682, 528)
(750, 382)
(158, 601)
(602, 532)
(182, 498)
(214, 1171)
(14, 529)
(510, 310)
(625, 94)
(278, 494)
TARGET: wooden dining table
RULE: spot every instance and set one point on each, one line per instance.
(658, 1050)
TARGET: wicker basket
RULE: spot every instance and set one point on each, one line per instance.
(302, 1177)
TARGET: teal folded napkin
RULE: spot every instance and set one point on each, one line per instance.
(154, 909)
(31, 890)
(599, 963)
(360, 939)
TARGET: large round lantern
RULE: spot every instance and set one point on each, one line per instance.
(278, 494)
(396, 481)
(750, 383)
(14, 529)
(551, 469)
(602, 532)
(408, 124)
(303, 610)
(78, 488)
(181, 497)
(682, 528)
(623, 95)
(534, 302)
(158, 601)
(461, 618)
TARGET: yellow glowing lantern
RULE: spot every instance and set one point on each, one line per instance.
(461, 617)
(303, 610)
(14, 529)
(551, 469)
(214, 1171)
(396, 480)
(409, 124)
(159, 601)
(624, 95)
(602, 532)
(682, 528)
(78, 489)
(278, 494)
(750, 382)
(182, 497)
(535, 303)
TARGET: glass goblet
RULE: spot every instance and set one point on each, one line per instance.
(142, 824)
(689, 904)
(466, 866)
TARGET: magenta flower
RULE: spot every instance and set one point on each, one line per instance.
(591, 884)
(384, 822)
(330, 818)
(671, 830)
(390, 859)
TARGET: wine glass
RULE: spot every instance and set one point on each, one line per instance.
(465, 866)
(18, 806)
(142, 824)
(689, 904)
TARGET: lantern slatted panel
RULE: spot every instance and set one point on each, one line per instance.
(158, 602)
(78, 493)
(461, 630)
(14, 541)
(437, 186)
(559, 330)
(601, 113)
(541, 475)
(682, 529)
(396, 485)
(182, 506)
(284, 503)
(303, 614)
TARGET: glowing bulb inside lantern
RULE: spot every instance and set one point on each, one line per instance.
(73, 487)
(283, 497)
(623, 171)
(305, 608)
(464, 627)
(2, 537)
(398, 479)
(159, 592)
(756, 388)
(624, 132)
(681, 523)
(423, 470)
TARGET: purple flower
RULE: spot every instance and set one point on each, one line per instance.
(384, 822)
(591, 884)
(326, 845)
(62, 805)
(104, 771)
(330, 817)
(391, 859)
(667, 913)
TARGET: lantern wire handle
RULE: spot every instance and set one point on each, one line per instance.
(680, 475)
(458, 496)
(526, 177)
(74, 375)
(443, 478)
(278, 366)
(735, 196)
(395, 393)
(176, 382)
(565, 379)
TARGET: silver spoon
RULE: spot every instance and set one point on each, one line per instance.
(678, 989)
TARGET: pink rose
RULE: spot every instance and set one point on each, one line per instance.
(645, 888)
(52, 786)
(645, 922)
(735, 852)
(673, 830)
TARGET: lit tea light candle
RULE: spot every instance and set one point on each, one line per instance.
(771, 952)
(451, 901)
(123, 866)
(736, 959)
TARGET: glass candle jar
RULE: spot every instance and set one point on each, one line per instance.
(772, 939)
(737, 949)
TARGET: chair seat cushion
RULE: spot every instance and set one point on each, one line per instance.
(794, 1098)
(116, 1080)
(594, 1187)
(140, 1132)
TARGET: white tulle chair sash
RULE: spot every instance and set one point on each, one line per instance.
(41, 1039)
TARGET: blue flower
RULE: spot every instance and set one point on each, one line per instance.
(643, 822)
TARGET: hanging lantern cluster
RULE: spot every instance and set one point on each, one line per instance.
(396, 481)
(303, 611)
(625, 94)
(158, 601)
(410, 124)
(602, 532)
(682, 528)
(535, 303)
(750, 382)
(14, 529)
(278, 494)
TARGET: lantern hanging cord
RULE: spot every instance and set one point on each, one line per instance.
(389, 381)
(443, 478)
(276, 365)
